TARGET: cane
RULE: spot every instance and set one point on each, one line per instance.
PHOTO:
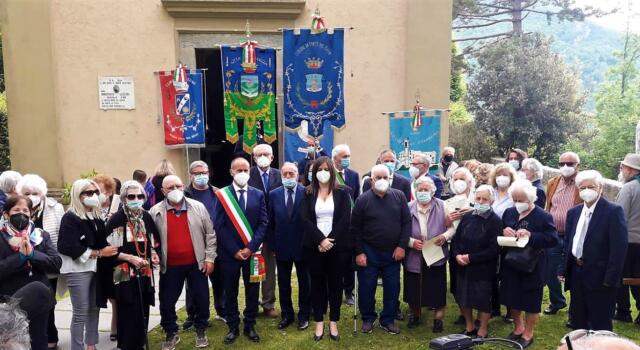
(144, 317)
(355, 303)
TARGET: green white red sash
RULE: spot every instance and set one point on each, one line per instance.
(229, 202)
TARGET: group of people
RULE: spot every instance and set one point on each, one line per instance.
(334, 227)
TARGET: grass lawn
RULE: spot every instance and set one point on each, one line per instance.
(548, 332)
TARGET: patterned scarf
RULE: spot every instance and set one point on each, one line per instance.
(13, 236)
(134, 217)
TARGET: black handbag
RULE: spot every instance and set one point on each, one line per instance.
(522, 259)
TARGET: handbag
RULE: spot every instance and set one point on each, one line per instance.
(522, 259)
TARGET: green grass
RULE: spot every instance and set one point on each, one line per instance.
(547, 335)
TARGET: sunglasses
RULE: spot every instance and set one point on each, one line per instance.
(581, 333)
(90, 193)
(567, 163)
(134, 196)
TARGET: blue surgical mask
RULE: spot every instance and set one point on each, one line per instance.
(391, 166)
(201, 180)
(423, 197)
(289, 183)
(135, 204)
(481, 208)
(310, 176)
(345, 163)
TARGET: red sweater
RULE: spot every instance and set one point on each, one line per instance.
(179, 244)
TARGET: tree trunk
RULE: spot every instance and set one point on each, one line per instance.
(517, 17)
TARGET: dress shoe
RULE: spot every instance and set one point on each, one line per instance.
(400, 316)
(472, 334)
(271, 313)
(334, 337)
(303, 324)
(231, 336)
(438, 326)
(251, 334)
(513, 336)
(623, 317)
(318, 337)
(525, 343)
(552, 310)
(460, 321)
(414, 321)
(284, 323)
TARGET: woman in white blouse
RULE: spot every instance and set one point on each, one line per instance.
(326, 214)
(503, 176)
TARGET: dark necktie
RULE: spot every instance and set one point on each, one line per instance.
(265, 182)
(242, 201)
(289, 202)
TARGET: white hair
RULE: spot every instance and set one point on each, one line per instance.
(592, 175)
(196, 164)
(32, 183)
(339, 148)
(573, 154)
(425, 180)
(8, 180)
(130, 184)
(76, 206)
(468, 177)
(170, 178)
(533, 165)
(449, 148)
(295, 167)
(605, 342)
(14, 327)
(263, 146)
(422, 157)
(379, 167)
(487, 188)
(526, 187)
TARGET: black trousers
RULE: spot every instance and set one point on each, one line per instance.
(132, 325)
(284, 287)
(218, 294)
(348, 280)
(52, 331)
(36, 299)
(231, 271)
(590, 308)
(631, 270)
(327, 271)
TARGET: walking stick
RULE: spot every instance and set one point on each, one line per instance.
(144, 317)
(355, 303)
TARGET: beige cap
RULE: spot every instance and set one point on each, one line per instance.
(632, 160)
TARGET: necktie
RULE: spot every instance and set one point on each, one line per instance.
(583, 235)
(289, 202)
(265, 181)
(242, 200)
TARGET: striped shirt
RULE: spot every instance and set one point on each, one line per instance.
(562, 200)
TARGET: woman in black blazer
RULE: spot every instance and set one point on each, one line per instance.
(326, 216)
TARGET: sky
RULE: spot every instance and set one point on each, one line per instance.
(617, 21)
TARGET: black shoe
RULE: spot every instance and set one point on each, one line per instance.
(367, 327)
(513, 336)
(349, 300)
(525, 343)
(414, 322)
(552, 310)
(399, 316)
(334, 337)
(318, 337)
(471, 334)
(188, 323)
(495, 313)
(391, 328)
(303, 324)
(284, 323)
(438, 326)
(569, 324)
(231, 336)
(623, 317)
(251, 334)
(460, 321)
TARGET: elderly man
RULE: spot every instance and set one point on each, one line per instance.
(629, 200)
(562, 195)
(446, 167)
(596, 340)
(200, 190)
(420, 167)
(241, 222)
(381, 226)
(266, 179)
(388, 158)
(596, 251)
(188, 246)
(8, 181)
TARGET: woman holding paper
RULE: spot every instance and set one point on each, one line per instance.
(521, 290)
(475, 250)
(425, 274)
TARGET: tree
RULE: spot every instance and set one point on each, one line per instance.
(524, 96)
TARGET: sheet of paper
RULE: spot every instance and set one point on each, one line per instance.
(431, 252)
(512, 242)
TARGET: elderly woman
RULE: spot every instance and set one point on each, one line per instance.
(109, 198)
(46, 214)
(425, 285)
(521, 290)
(532, 169)
(475, 250)
(133, 231)
(502, 177)
(8, 181)
(514, 157)
(483, 174)
(86, 267)
(26, 255)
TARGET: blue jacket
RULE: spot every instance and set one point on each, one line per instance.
(285, 234)
(604, 248)
(352, 180)
(229, 242)
(255, 180)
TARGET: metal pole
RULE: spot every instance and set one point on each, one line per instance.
(355, 303)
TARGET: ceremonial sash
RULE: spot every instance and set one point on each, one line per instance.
(341, 182)
(230, 204)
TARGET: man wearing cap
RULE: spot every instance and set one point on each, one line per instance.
(629, 200)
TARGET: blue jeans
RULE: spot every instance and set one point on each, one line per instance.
(379, 263)
(555, 263)
(171, 283)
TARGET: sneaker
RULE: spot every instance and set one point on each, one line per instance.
(349, 300)
(220, 318)
(171, 341)
(391, 328)
(367, 327)
(201, 339)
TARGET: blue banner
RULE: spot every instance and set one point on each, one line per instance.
(313, 79)
(405, 140)
(295, 143)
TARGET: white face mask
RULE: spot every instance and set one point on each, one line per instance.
(382, 185)
(35, 200)
(175, 196)
(323, 176)
(567, 171)
(503, 181)
(458, 186)
(103, 198)
(263, 161)
(241, 178)
(588, 195)
(92, 201)
(515, 164)
(522, 207)
(414, 172)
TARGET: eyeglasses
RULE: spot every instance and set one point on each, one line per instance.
(416, 164)
(567, 163)
(134, 196)
(581, 333)
(90, 193)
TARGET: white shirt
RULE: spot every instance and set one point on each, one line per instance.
(237, 189)
(324, 215)
(500, 205)
(585, 218)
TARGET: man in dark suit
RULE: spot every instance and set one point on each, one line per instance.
(266, 179)
(596, 251)
(399, 182)
(286, 232)
(420, 165)
(238, 246)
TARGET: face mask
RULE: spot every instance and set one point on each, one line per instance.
(459, 186)
(263, 161)
(448, 158)
(241, 178)
(481, 208)
(382, 185)
(588, 195)
(345, 163)
(323, 176)
(35, 200)
(414, 172)
(135, 204)
(92, 201)
(19, 221)
(102, 197)
(289, 183)
(391, 166)
(201, 180)
(310, 176)
(515, 164)
(503, 181)
(567, 171)
(175, 196)
(423, 197)
(522, 207)
(311, 150)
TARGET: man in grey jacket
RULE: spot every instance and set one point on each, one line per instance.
(188, 252)
(629, 200)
